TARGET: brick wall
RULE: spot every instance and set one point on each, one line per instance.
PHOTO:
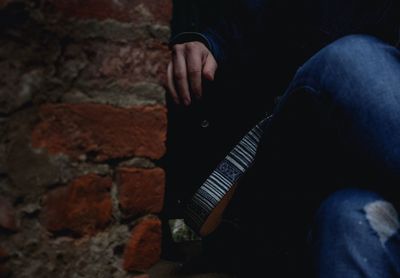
(82, 125)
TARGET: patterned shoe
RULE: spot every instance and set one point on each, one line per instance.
(204, 211)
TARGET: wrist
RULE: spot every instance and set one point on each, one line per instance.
(189, 37)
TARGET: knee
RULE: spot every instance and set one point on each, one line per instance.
(350, 55)
(345, 209)
(349, 68)
(383, 219)
(352, 51)
(351, 210)
(354, 44)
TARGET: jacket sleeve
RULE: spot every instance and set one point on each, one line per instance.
(228, 35)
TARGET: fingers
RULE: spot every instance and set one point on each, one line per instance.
(180, 74)
(194, 68)
(210, 67)
(170, 83)
(190, 63)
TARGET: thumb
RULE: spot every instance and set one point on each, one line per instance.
(210, 67)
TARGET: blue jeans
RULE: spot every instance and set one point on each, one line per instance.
(337, 127)
(356, 234)
(354, 84)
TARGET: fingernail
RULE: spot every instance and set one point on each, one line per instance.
(187, 102)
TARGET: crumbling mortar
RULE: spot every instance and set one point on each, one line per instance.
(109, 30)
(116, 212)
(138, 94)
(97, 257)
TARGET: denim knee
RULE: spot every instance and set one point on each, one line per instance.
(350, 59)
(350, 51)
(350, 210)
(343, 207)
(353, 68)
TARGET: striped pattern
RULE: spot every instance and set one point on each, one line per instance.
(224, 177)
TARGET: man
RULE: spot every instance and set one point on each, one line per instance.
(322, 189)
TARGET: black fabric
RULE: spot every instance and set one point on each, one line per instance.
(245, 89)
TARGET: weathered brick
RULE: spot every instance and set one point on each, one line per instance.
(83, 207)
(101, 131)
(144, 247)
(3, 254)
(3, 3)
(141, 191)
(4, 271)
(119, 96)
(109, 67)
(143, 61)
(123, 10)
(141, 276)
(7, 215)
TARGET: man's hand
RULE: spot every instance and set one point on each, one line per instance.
(190, 62)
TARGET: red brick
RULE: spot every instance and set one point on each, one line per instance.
(102, 131)
(4, 271)
(144, 247)
(7, 215)
(83, 207)
(122, 10)
(3, 254)
(3, 3)
(141, 276)
(141, 191)
(142, 61)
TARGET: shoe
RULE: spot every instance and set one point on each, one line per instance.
(204, 211)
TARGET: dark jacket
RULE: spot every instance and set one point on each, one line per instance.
(258, 44)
